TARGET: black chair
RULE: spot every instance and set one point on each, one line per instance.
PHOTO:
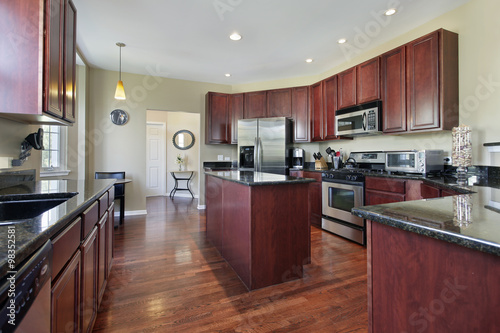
(119, 188)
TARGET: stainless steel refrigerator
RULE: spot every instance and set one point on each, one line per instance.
(264, 144)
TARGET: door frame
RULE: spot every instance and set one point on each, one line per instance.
(163, 158)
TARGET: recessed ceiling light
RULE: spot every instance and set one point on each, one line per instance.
(309, 60)
(342, 41)
(235, 36)
(390, 12)
(227, 75)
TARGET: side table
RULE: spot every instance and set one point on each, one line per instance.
(185, 178)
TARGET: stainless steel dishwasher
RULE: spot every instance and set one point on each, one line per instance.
(25, 294)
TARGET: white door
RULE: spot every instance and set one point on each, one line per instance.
(155, 156)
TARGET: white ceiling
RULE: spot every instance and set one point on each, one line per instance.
(189, 39)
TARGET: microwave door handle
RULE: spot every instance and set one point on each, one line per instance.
(364, 121)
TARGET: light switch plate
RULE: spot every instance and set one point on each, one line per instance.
(220, 157)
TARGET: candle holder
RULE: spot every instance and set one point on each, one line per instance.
(461, 154)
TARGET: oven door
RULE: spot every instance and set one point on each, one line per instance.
(339, 199)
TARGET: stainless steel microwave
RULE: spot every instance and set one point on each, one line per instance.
(364, 119)
(415, 161)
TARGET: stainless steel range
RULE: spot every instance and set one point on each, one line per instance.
(343, 190)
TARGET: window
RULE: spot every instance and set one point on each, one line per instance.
(54, 151)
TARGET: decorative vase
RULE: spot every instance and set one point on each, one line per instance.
(180, 167)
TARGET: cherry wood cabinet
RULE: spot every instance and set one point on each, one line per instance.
(89, 280)
(315, 194)
(316, 97)
(110, 239)
(255, 105)
(65, 303)
(368, 81)
(393, 72)
(213, 199)
(102, 228)
(347, 88)
(426, 98)
(329, 107)
(380, 190)
(279, 102)
(236, 111)
(217, 118)
(300, 113)
(38, 53)
(428, 192)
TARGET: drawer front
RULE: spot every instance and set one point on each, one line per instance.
(314, 175)
(111, 196)
(385, 184)
(90, 217)
(65, 245)
(103, 204)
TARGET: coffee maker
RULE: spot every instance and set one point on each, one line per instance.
(298, 156)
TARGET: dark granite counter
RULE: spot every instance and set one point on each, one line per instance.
(471, 220)
(30, 234)
(251, 178)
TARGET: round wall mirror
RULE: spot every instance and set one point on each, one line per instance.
(183, 139)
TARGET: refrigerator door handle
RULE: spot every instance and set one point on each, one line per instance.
(259, 142)
(255, 154)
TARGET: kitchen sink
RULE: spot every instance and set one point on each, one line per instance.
(18, 210)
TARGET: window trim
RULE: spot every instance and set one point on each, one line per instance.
(62, 170)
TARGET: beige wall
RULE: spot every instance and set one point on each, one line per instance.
(12, 134)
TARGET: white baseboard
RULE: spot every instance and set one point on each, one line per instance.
(201, 207)
(131, 212)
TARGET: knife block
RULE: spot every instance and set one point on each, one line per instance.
(320, 164)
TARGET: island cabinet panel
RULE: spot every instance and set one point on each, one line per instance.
(255, 104)
(279, 103)
(300, 114)
(213, 199)
(315, 193)
(280, 238)
(417, 283)
(393, 72)
(65, 308)
(217, 118)
(236, 229)
(347, 88)
(236, 110)
(368, 81)
(316, 103)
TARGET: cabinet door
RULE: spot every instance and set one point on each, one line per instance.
(255, 104)
(90, 264)
(236, 110)
(315, 194)
(110, 239)
(296, 173)
(368, 81)
(101, 274)
(329, 107)
(69, 62)
(423, 82)
(216, 122)
(346, 90)
(53, 92)
(317, 111)
(429, 192)
(65, 301)
(300, 114)
(279, 103)
(393, 68)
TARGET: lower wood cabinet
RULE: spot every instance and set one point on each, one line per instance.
(90, 265)
(314, 194)
(380, 191)
(65, 306)
(102, 271)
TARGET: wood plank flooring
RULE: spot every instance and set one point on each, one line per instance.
(167, 277)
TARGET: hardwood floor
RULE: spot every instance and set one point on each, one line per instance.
(167, 277)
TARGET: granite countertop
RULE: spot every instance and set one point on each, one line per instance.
(251, 178)
(32, 233)
(471, 219)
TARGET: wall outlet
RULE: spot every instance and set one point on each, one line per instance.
(227, 158)
(447, 160)
(220, 157)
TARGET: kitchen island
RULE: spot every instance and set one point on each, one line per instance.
(260, 224)
(434, 265)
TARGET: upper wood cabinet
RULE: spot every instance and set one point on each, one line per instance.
(359, 84)
(316, 97)
(420, 84)
(39, 63)
(300, 113)
(217, 118)
(329, 107)
(255, 104)
(279, 102)
(236, 110)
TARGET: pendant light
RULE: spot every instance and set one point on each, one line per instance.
(120, 91)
